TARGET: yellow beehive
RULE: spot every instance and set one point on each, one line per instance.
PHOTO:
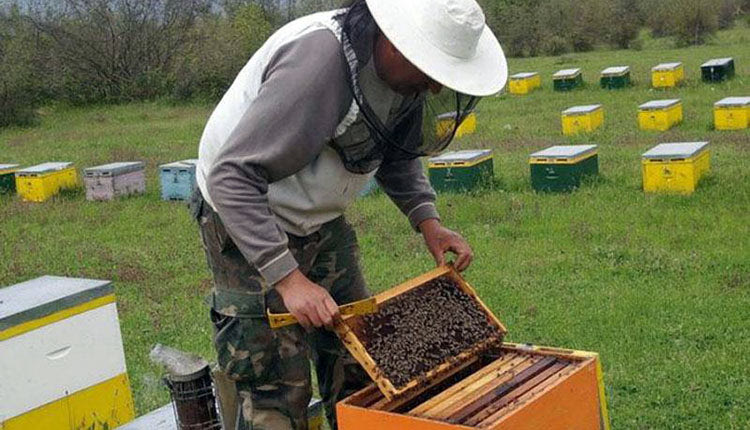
(667, 75)
(732, 113)
(446, 122)
(675, 167)
(660, 115)
(40, 182)
(524, 83)
(582, 119)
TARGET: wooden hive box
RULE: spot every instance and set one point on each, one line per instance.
(461, 170)
(524, 83)
(492, 385)
(62, 363)
(660, 115)
(667, 75)
(717, 70)
(561, 168)
(732, 113)
(675, 167)
(8, 178)
(567, 79)
(615, 77)
(582, 119)
(41, 182)
(177, 179)
(108, 181)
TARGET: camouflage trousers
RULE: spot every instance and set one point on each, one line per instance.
(271, 367)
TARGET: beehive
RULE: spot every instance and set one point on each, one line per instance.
(582, 119)
(446, 122)
(732, 113)
(675, 167)
(62, 364)
(177, 179)
(567, 79)
(561, 168)
(524, 83)
(615, 77)
(660, 115)
(108, 181)
(8, 178)
(491, 385)
(667, 75)
(41, 182)
(717, 70)
(461, 170)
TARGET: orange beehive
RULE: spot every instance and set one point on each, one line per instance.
(491, 386)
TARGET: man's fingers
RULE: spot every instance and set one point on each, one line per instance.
(304, 321)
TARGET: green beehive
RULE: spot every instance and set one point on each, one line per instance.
(615, 77)
(8, 178)
(561, 168)
(461, 170)
(567, 79)
(717, 70)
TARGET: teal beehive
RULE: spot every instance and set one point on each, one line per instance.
(177, 179)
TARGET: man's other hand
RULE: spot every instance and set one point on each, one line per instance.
(307, 301)
(440, 240)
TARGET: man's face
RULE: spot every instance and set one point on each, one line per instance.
(396, 71)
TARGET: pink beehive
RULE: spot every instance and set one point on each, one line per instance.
(113, 180)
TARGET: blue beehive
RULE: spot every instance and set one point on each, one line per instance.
(177, 179)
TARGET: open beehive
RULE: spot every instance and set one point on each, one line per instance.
(487, 384)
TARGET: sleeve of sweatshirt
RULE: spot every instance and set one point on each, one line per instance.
(302, 98)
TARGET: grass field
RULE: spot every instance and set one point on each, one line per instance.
(659, 285)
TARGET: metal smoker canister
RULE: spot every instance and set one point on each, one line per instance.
(193, 400)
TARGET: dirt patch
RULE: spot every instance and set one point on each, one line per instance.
(424, 328)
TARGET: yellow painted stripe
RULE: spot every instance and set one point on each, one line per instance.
(445, 164)
(602, 396)
(5, 172)
(55, 317)
(548, 160)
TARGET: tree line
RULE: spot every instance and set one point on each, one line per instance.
(112, 51)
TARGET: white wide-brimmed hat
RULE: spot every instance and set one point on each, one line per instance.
(447, 40)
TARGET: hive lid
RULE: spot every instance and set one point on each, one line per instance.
(112, 169)
(183, 164)
(565, 152)
(580, 110)
(40, 297)
(717, 62)
(615, 71)
(464, 155)
(45, 168)
(353, 336)
(725, 102)
(8, 167)
(676, 150)
(666, 66)
(567, 73)
(524, 75)
(659, 104)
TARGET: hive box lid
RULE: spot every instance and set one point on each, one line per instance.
(524, 75)
(666, 66)
(350, 327)
(615, 71)
(466, 155)
(45, 168)
(567, 73)
(676, 150)
(580, 110)
(113, 169)
(659, 104)
(44, 296)
(8, 167)
(565, 152)
(717, 62)
(190, 164)
(725, 102)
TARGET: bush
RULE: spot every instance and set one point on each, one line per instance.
(693, 21)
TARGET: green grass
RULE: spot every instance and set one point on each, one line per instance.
(658, 284)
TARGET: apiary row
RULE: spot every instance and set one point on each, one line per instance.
(665, 75)
(668, 167)
(106, 182)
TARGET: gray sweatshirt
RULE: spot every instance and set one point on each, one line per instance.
(273, 172)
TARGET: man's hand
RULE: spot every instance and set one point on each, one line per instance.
(440, 240)
(308, 302)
